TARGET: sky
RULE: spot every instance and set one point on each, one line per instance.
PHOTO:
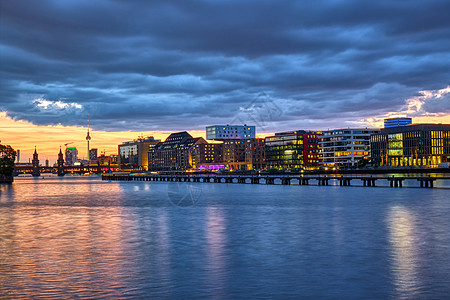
(153, 67)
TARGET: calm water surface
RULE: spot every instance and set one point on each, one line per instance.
(79, 237)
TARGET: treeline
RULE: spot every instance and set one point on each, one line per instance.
(7, 158)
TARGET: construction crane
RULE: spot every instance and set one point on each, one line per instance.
(65, 145)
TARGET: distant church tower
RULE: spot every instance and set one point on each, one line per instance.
(35, 162)
(60, 163)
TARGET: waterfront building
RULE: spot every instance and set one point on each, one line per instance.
(174, 153)
(397, 122)
(230, 132)
(345, 147)
(134, 154)
(234, 154)
(71, 156)
(207, 156)
(411, 145)
(255, 153)
(293, 150)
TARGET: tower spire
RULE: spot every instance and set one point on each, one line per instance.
(88, 139)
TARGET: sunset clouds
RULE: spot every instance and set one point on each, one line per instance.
(164, 66)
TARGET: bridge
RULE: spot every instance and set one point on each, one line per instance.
(366, 181)
(92, 168)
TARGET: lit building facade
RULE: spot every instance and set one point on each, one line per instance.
(345, 147)
(412, 145)
(292, 150)
(397, 122)
(255, 154)
(174, 153)
(230, 132)
(71, 156)
(134, 154)
(206, 156)
(234, 154)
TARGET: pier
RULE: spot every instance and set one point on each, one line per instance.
(366, 181)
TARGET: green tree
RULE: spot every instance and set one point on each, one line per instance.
(7, 158)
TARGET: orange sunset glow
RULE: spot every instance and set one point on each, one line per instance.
(24, 136)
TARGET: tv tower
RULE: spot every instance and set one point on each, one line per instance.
(88, 139)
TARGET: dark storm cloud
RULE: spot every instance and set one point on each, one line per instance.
(173, 65)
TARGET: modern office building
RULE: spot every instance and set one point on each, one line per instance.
(174, 153)
(292, 150)
(397, 122)
(230, 132)
(134, 154)
(412, 145)
(345, 147)
(71, 156)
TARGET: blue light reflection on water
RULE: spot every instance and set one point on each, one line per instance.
(81, 237)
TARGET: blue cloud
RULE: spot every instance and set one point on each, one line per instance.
(186, 64)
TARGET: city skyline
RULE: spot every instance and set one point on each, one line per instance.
(152, 68)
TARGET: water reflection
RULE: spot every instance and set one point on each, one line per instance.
(404, 245)
(216, 256)
(61, 243)
(86, 238)
(52, 234)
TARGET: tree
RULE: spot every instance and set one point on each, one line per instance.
(7, 158)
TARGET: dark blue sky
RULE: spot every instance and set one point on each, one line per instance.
(173, 65)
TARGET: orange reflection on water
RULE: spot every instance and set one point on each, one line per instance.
(51, 250)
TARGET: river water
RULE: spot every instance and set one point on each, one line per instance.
(80, 237)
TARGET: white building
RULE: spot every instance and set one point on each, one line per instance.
(230, 132)
(345, 147)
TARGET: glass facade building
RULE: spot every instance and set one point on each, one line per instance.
(292, 150)
(345, 147)
(412, 145)
(397, 122)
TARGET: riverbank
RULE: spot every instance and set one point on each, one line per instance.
(381, 171)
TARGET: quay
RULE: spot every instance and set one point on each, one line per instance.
(367, 181)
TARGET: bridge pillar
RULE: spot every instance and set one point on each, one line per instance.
(286, 181)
